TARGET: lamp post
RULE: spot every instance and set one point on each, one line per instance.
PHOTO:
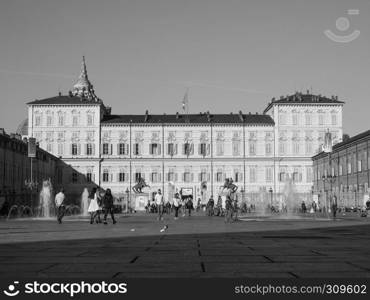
(31, 185)
(127, 199)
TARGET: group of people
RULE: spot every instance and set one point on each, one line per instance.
(99, 202)
(161, 206)
(229, 210)
(185, 206)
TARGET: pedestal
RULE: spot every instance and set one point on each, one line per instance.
(141, 200)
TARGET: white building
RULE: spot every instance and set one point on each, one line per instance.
(183, 151)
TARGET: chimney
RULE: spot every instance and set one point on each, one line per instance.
(59, 93)
(177, 115)
(146, 116)
(241, 118)
(70, 94)
(208, 116)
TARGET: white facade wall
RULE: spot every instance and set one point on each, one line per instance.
(56, 131)
(259, 166)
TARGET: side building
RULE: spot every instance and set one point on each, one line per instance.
(15, 170)
(344, 172)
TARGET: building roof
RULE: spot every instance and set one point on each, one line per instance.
(349, 141)
(352, 139)
(299, 98)
(200, 118)
(63, 100)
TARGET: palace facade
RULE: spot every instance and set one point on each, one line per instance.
(188, 152)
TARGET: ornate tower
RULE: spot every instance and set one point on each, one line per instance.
(83, 87)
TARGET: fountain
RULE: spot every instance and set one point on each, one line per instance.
(46, 203)
(84, 202)
(289, 192)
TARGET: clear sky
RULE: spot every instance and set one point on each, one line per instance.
(233, 55)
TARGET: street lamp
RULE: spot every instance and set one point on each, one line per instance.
(31, 185)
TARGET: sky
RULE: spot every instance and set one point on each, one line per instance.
(232, 54)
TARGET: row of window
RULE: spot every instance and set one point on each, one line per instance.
(61, 120)
(338, 171)
(186, 149)
(295, 119)
(187, 176)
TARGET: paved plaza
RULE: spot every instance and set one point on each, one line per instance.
(193, 247)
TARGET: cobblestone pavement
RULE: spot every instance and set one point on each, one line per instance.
(191, 247)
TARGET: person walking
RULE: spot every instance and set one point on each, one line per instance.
(176, 205)
(93, 207)
(108, 206)
(59, 203)
(159, 202)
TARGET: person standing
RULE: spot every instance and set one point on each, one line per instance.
(303, 207)
(334, 207)
(228, 209)
(99, 194)
(93, 207)
(199, 204)
(176, 205)
(159, 202)
(59, 203)
(210, 206)
(183, 206)
(108, 206)
(189, 206)
(219, 206)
